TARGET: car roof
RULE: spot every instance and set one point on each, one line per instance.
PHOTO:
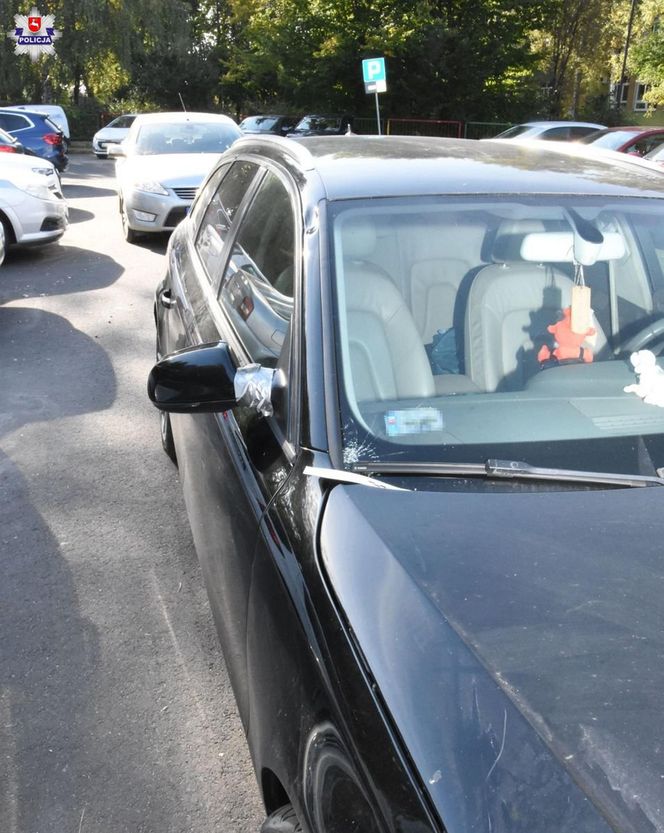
(559, 124)
(23, 111)
(364, 166)
(633, 128)
(179, 116)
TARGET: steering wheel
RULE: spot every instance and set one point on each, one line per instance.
(648, 334)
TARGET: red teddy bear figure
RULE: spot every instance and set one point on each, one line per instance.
(568, 344)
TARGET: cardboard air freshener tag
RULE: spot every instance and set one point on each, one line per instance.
(582, 315)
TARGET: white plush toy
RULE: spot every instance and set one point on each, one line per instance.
(650, 385)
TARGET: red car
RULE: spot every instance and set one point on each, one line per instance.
(634, 139)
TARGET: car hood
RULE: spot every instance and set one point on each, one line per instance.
(108, 133)
(22, 162)
(172, 169)
(517, 641)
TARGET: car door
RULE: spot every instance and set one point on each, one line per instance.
(645, 144)
(224, 457)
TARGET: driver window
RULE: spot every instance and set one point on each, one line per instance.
(257, 287)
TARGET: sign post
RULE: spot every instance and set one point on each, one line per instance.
(375, 81)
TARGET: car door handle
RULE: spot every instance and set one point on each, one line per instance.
(165, 299)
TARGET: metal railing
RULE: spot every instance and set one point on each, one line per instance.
(425, 127)
(484, 129)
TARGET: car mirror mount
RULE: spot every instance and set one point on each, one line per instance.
(197, 379)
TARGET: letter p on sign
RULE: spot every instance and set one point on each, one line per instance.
(375, 77)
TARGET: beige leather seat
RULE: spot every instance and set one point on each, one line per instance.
(510, 305)
(387, 357)
(437, 258)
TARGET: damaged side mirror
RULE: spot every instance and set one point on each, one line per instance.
(204, 379)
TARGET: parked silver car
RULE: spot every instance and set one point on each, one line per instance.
(161, 164)
(31, 212)
(550, 131)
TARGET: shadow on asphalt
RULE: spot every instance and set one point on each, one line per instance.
(84, 192)
(49, 651)
(156, 243)
(78, 215)
(55, 270)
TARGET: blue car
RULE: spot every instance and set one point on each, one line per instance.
(37, 133)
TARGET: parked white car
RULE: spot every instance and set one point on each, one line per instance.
(32, 164)
(161, 164)
(31, 212)
(112, 134)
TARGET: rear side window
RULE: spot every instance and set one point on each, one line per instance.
(11, 121)
(52, 125)
(556, 134)
(219, 213)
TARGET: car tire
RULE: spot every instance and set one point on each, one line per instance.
(166, 431)
(10, 237)
(101, 155)
(282, 820)
(129, 234)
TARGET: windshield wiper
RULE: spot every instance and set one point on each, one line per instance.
(507, 470)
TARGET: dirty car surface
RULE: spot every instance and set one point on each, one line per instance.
(422, 476)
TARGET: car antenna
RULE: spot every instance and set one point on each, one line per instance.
(182, 102)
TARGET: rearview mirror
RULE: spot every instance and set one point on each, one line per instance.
(194, 380)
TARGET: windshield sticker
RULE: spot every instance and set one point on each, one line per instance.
(413, 421)
(650, 384)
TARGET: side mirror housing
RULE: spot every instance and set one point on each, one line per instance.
(194, 380)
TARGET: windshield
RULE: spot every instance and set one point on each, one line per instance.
(261, 124)
(324, 124)
(184, 137)
(611, 140)
(466, 331)
(656, 155)
(513, 132)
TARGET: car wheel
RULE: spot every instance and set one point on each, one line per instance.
(2, 244)
(282, 820)
(167, 435)
(129, 234)
(101, 155)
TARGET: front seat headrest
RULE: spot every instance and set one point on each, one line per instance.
(359, 239)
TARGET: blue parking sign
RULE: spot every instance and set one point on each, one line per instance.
(373, 70)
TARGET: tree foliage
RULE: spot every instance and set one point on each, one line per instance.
(446, 59)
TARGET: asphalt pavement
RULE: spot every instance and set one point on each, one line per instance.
(116, 713)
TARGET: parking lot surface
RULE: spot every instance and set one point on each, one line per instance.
(115, 709)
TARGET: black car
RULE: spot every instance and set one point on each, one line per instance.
(322, 125)
(279, 125)
(37, 133)
(423, 477)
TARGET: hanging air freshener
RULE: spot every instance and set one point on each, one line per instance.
(582, 314)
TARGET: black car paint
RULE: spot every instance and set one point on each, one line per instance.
(363, 723)
(304, 701)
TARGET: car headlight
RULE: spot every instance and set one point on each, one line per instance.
(151, 186)
(42, 171)
(37, 189)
